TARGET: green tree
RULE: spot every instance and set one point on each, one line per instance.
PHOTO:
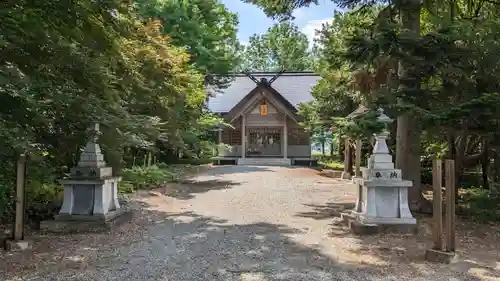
(313, 124)
(205, 28)
(283, 46)
(408, 131)
(66, 65)
(451, 67)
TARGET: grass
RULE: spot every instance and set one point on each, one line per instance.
(328, 161)
(334, 165)
(316, 153)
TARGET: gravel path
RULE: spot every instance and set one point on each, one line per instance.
(244, 223)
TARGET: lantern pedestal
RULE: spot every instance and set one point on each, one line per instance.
(90, 196)
(382, 201)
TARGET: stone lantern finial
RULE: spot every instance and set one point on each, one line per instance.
(380, 146)
(382, 117)
(92, 155)
(97, 132)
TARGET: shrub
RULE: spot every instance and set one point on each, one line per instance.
(6, 203)
(43, 194)
(43, 200)
(479, 204)
(148, 177)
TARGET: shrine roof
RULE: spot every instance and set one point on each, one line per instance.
(294, 87)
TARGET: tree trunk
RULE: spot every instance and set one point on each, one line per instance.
(408, 159)
(458, 174)
(408, 129)
(323, 147)
(349, 157)
(460, 148)
(351, 161)
(485, 163)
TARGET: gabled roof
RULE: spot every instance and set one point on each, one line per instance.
(294, 87)
(240, 106)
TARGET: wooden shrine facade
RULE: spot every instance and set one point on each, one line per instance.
(265, 124)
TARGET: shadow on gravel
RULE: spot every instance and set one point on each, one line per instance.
(187, 189)
(190, 247)
(409, 249)
(327, 211)
(204, 248)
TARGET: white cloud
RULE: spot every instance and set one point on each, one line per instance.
(299, 13)
(311, 26)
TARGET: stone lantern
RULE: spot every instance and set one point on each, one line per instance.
(90, 193)
(382, 193)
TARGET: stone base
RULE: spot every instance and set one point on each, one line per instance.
(359, 228)
(346, 176)
(362, 228)
(17, 246)
(440, 256)
(387, 221)
(65, 223)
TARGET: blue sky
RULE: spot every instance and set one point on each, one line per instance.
(253, 20)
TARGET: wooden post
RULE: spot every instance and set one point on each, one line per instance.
(346, 155)
(18, 229)
(350, 159)
(310, 151)
(357, 172)
(219, 141)
(436, 253)
(150, 158)
(437, 199)
(347, 173)
(243, 137)
(285, 138)
(450, 205)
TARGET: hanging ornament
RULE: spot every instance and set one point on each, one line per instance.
(263, 108)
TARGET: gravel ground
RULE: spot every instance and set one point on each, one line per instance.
(241, 223)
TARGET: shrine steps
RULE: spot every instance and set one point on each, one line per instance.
(264, 162)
